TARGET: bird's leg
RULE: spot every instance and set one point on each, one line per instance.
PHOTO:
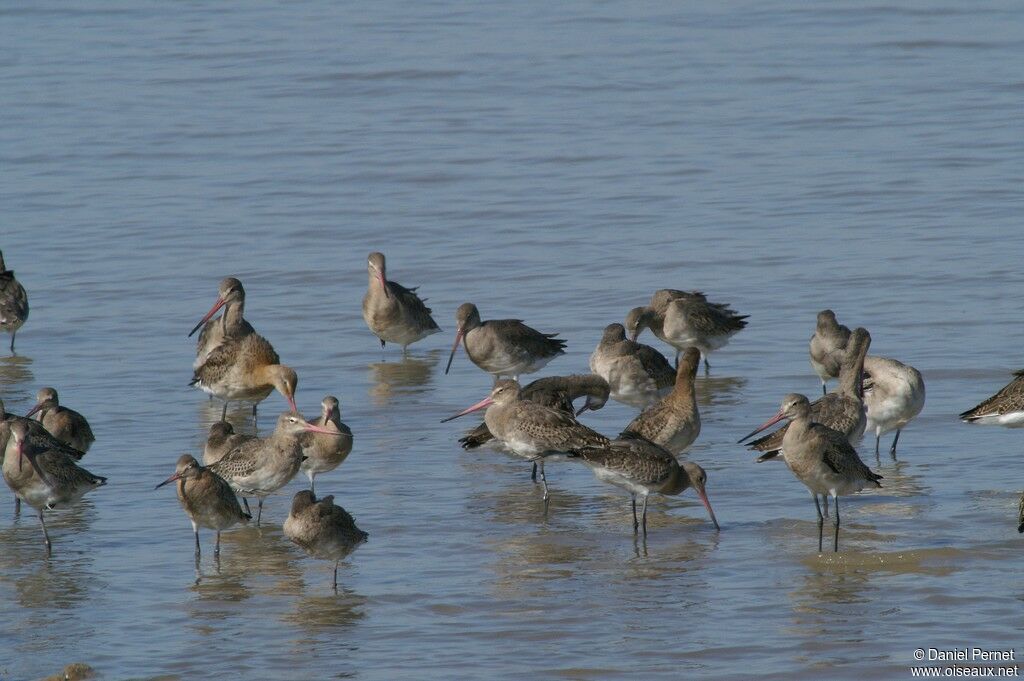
(46, 535)
(878, 436)
(245, 502)
(13, 334)
(255, 423)
(533, 475)
(892, 450)
(544, 480)
(17, 506)
(381, 345)
(636, 524)
(821, 519)
(216, 547)
(259, 511)
(707, 367)
(335, 576)
(824, 502)
(643, 516)
(195, 531)
(312, 482)
(224, 412)
(824, 390)
(835, 540)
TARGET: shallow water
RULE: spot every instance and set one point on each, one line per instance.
(553, 163)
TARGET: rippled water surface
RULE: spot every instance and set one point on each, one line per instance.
(554, 162)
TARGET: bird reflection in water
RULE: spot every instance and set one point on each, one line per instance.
(15, 377)
(713, 391)
(239, 415)
(249, 554)
(335, 612)
(409, 375)
(55, 583)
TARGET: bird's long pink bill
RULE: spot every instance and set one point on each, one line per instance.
(707, 504)
(455, 346)
(384, 283)
(213, 310)
(32, 462)
(482, 404)
(176, 476)
(767, 424)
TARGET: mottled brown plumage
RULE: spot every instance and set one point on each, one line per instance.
(557, 392)
(325, 452)
(531, 430)
(322, 529)
(66, 425)
(207, 498)
(44, 478)
(821, 458)
(828, 346)
(245, 368)
(636, 373)
(641, 467)
(503, 347)
(1005, 408)
(38, 437)
(258, 467)
(231, 324)
(394, 313)
(13, 302)
(842, 410)
(221, 439)
(684, 320)
(674, 421)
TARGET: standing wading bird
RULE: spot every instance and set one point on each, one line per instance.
(395, 314)
(893, 396)
(67, 425)
(207, 499)
(842, 410)
(38, 438)
(684, 319)
(45, 478)
(231, 324)
(322, 529)
(1005, 408)
(821, 458)
(641, 467)
(503, 347)
(261, 466)
(636, 373)
(531, 430)
(13, 302)
(324, 452)
(674, 422)
(245, 368)
(828, 347)
(557, 392)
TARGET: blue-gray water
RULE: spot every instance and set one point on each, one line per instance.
(554, 162)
